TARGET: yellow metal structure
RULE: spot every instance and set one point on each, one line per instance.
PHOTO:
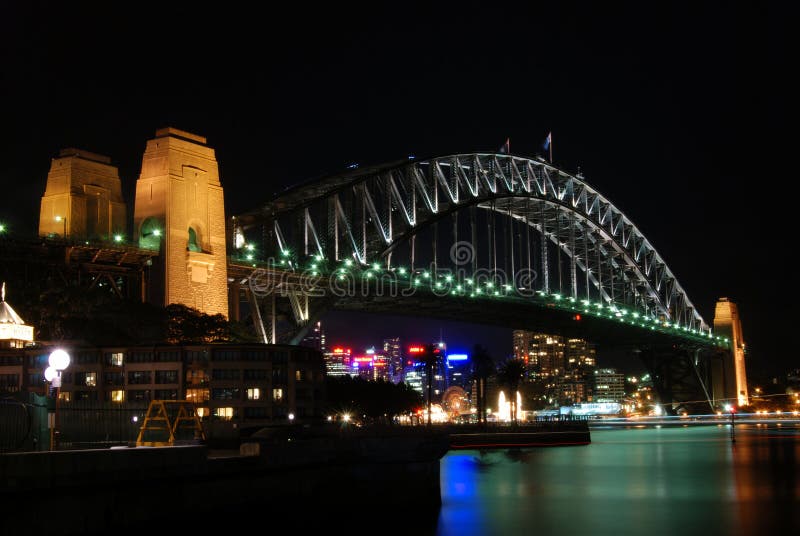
(169, 417)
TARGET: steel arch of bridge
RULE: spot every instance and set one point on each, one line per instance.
(367, 215)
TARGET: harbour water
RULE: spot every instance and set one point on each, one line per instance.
(649, 480)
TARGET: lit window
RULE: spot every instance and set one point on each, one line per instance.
(253, 393)
(197, 395)
(277, 395)
(64, 396)
(91, 379)
(116, 359)
(202, 412)
(118, 396)
(223, 413)
(298, 375)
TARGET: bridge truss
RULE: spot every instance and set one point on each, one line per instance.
(468, 226)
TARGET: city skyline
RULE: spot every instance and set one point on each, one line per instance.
(653, 107)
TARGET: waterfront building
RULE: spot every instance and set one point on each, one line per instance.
(609, 385)
(238, 384)
(13, 331)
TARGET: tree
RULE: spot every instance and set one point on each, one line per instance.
(482, 368)
(188, 325)
(510, 375)
(375, 399)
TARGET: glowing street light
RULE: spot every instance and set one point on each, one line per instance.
(58, 360)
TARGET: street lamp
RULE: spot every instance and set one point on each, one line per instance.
(58, 360)
(732, 410)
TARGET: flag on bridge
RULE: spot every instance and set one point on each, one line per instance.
(506, 147)
(548, 145)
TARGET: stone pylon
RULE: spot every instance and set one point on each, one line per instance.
(179, 209)
(732, 385)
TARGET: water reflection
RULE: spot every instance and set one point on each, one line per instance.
(670, 480)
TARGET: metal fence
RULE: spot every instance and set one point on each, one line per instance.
(23, 422)
(90, 424)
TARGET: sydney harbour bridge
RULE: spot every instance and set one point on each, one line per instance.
(484, 238)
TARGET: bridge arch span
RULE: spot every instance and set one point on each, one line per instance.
(514, 212)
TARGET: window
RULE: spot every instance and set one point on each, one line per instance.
(255, 412)
(138, 394)
(168, 357)
(64, 396)
(225, 393)
(197, 395)
(298, 375)
(9, 382)
(196, 356)
(253, 393)
(255, 374)
(226, 355)
(89, 379)
(192, 245)
(224, 413)
(117, 395)
(225, 374)
(166, 376)
(277, 394)
(166, 394)
(139, 377)
(254, 355)
(279, 375)
(141, 357)
(115, 359)
(113, 378)
(85, 395)
(196, 377)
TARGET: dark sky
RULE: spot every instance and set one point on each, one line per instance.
(679, 114)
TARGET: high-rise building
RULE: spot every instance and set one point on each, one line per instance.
(458, 370)
(393, 350)
(609, 386)
(562, 366)
(315, 338)
(546, 356)
(338, 361)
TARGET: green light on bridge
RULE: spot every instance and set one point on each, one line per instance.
(348, 262)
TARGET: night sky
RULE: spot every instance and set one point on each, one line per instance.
(679, 115)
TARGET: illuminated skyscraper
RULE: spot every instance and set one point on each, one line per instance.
(393, 351)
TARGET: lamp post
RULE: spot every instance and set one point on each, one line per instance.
(732, 410)
(58, 360)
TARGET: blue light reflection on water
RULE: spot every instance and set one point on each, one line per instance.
(670, 480)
